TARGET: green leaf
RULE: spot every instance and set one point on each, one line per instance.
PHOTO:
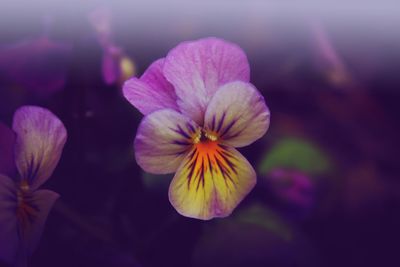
(296, 153)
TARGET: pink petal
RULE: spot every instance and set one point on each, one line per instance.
(211, 181)
(152, 91)
(40, 140)
(237, 114)
(197, 69)
(8, 221)
(7, 141)
(163, 138)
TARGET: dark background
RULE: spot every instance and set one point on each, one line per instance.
(113, 214)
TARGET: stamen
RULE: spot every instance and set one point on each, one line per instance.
(211, 136)
(204, 136)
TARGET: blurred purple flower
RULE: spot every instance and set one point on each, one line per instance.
(328, 59)
(39, 65)
(39, 140)
(292, 187)
(198, 106)
(116, 65)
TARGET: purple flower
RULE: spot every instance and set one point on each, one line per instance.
(39, 140)
(116, 65)
(39, 65)
(292, 187)
(328, 59)
(198, 106)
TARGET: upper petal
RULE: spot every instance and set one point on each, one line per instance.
(40, 140)
(198, 68)
(152, 91)
(162, 140)
(8, 220)
(7, 141)
(237, 114)
(211, 181)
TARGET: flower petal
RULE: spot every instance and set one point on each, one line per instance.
(162, 140)
(110, 65)
(8, 220)
(237, 114)
(197, 69)
(40, 140)
(7, 141)
(211, 181)
(152, 91)
(40, 205)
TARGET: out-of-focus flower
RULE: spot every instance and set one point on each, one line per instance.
(298, 154)
(328, 59)
(292, 187)
(39, 65)
(117, 67)
(199, 105)
(292, 170)
(39, 140)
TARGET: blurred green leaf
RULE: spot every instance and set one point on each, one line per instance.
(296, 153)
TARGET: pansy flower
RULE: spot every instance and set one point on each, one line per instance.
(198, 106)
(35, 146)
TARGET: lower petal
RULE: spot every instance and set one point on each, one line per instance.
(40, 205)
(8, 221)
(22, 218)
(211, 181)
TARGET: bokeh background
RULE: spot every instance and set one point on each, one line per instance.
(328, 191)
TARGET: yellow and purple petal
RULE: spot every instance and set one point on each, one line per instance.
(211, 181)
(40, 140)
(237, 114)
(152, 91)
(162, 141)
(198, 68)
